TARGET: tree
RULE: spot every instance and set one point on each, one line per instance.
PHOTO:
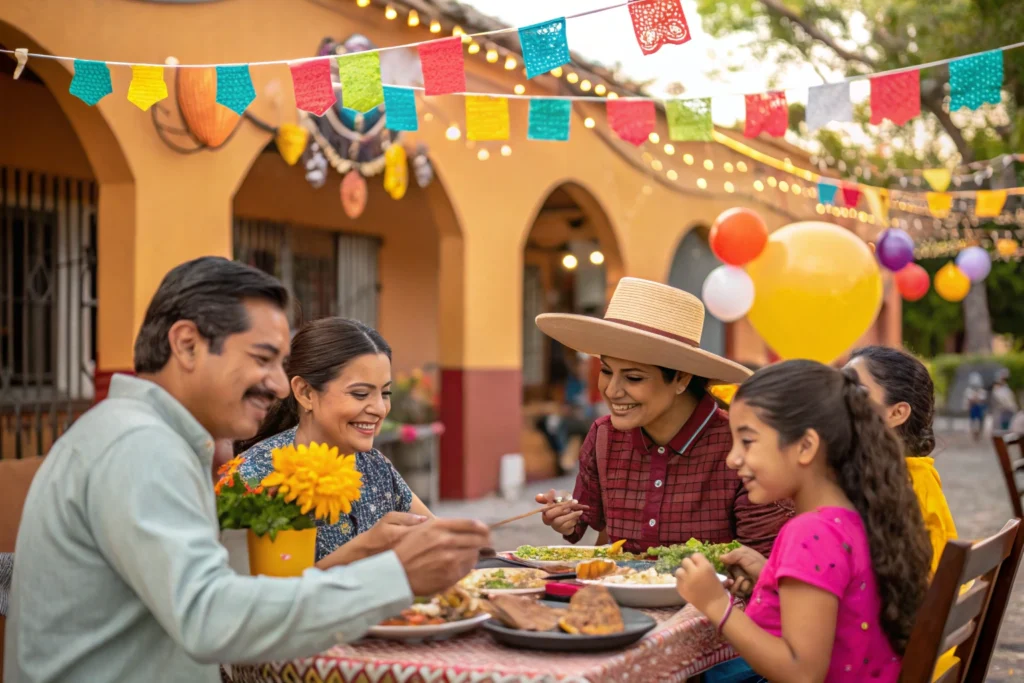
(849, 37)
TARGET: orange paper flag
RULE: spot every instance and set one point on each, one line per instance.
(939, 203)
(147, 87)
(486, 118)
(989, 203)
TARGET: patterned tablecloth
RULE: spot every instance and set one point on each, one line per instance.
(682, 645)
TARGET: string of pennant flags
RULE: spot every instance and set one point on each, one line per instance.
(975, 80)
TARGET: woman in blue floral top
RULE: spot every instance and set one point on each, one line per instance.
(340, 375)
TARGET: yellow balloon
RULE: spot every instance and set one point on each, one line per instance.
(951, 283)
(817, 290)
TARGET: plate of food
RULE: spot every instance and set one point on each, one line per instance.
(569, 555)
(439, 618)
(484, 582)
(593, 621)
(668, 558)
(632, 588)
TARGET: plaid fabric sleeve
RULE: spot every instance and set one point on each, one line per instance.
(588, 489)
(758, 525)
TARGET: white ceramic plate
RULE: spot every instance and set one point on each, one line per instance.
(560, 563)
(421, 633)
(647, 596)
(538, 590)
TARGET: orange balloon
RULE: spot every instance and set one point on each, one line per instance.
(738, 236)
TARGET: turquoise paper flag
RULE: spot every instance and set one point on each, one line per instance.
(91, 82)
(400, 109)
(545, 46)
(973, 81)
(234, 88)
(827, 193)
(549, 119)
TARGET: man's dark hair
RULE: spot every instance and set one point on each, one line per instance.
(209, 291)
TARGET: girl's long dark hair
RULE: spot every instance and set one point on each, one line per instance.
(905, 379)
(866, 459)
(320, 350)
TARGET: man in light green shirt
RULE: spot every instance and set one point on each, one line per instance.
(119, 573)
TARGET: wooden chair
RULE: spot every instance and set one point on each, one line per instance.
(969, 621)
(1011, 466)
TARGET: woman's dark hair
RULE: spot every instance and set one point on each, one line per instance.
(905, 379)
(320, 350)
(210, 291)
(698, 386)
(865, 457)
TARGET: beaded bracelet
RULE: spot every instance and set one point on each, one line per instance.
(728, 611)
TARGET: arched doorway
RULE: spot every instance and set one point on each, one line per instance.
(57, 159)
(571, 260)
(692, 263)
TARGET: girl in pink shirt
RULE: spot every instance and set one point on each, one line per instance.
(837, 599)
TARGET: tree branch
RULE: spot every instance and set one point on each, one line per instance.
(932, 100)
(779, 9)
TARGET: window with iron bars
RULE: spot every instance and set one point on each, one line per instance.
(328, 273)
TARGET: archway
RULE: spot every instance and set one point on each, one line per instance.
(692, 263)
(62, 175)
(571, 262)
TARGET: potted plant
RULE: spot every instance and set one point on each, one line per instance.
(308, 483)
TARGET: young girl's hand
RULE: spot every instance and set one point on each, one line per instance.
(745, 566)
(699, 585)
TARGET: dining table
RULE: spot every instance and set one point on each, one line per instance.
(682, 644)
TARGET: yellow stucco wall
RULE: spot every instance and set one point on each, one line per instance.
(452, 257)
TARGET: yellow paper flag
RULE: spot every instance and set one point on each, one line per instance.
(147, 87)
(939, 203)
(486, 118)
(989, 203)
(878, 202)
(938, 178)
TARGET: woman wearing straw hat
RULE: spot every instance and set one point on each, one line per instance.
(653, 472)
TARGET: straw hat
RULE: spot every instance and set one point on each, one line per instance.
(649, 323)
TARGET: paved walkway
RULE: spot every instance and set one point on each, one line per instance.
(971, 479)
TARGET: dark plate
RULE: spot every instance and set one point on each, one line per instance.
(637, 624)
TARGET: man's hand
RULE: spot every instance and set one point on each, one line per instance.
(381, 537)
(440, 552)
(563, 517)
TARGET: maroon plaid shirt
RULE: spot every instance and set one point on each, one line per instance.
(660, 495)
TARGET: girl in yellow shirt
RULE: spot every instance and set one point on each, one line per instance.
(901, 386)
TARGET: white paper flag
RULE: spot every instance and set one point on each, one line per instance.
(827, 103)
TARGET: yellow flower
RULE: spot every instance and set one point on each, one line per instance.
(724, 392)
(317, 479)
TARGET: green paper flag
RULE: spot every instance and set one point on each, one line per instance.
(361, 87)
(689, 120)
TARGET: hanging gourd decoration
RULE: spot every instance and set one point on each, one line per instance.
(291, 142)
(353, 194)
(396, 171)
(422, 167)
(210, 122)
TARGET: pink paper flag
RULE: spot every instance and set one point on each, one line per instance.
(767, 112)
(851, 197)
(632, 120)
(657, 23)
(312, 82)
(444, 71)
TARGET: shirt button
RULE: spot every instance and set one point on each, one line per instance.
(657, 483)
(652, 522)
(661, 449)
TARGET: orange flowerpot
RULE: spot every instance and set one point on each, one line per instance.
(290, 554)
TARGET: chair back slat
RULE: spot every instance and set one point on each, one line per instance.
(1010, 466)
(948, 619)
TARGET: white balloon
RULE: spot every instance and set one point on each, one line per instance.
(728, 293)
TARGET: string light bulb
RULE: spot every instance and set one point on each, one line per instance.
(688, 159)
(390, 13)
(772, 182)
(727, 167)
(656, 165)
(570, 262)
(759, 186)
(453, 132)
(672, 175)
(612, 95)
(483, 155)
(596, 257)
(588, 122)
(435, 25)
(506, 151)
(729, 187)
(474, 48)
(820, 208)
(557, 72)
(457, 31)
(519, 89)
(670, 148)
(572, 77)
(510, 63)
(414, 18)
(585, 85)
(709, 165)
(654, 138)
(702, 184)
(599, 89)
(784, 186)
(362, 3)
(741, 166)
(492, 55)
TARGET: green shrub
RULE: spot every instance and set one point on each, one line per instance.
(943, 369)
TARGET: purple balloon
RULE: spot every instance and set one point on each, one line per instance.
(895, 249)
(975, 263)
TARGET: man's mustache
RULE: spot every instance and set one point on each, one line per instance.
(260, 392)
